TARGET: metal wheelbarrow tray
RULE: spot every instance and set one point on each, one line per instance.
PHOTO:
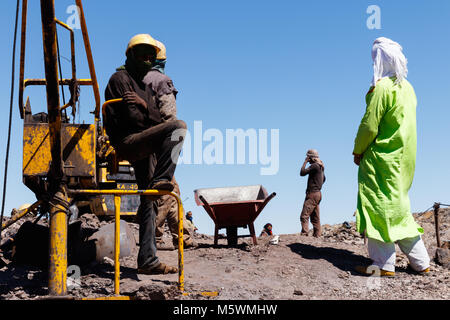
(233, 208)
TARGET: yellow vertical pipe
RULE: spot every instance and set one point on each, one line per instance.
(57, 282)
(117, 245)
(180, 246)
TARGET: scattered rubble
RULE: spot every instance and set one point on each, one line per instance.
(297, 267)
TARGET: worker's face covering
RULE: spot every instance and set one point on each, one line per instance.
(388, 60)
(138, 68)
(159, 65)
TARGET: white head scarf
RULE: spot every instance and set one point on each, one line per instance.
(388, 60)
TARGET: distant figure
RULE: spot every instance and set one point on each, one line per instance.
(168, 212)
(190, 220)
(385, 151)
(267, 231)
(316, 179)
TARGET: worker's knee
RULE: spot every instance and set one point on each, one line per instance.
(176, 124)
(181, 124)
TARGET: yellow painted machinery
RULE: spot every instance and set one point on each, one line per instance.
(67, 162)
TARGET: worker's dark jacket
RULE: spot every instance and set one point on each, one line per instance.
(122, 119)
(316, 177)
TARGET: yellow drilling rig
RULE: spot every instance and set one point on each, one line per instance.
(66, 163)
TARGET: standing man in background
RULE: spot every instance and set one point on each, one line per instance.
(316, 178)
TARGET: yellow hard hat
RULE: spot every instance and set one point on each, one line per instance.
(162, 50)
(142, 38)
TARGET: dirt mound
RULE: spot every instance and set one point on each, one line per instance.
(298, 267)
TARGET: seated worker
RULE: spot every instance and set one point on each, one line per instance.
(136, 130)
(190, 221)
(168, 211)
(267, 231)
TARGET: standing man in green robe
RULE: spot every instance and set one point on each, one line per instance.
(385, 151)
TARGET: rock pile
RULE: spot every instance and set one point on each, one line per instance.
(345, 232)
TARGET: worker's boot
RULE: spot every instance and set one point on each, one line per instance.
(163, 185)
(161, 268)
(162, 245)
(424, 272)
(190, 243)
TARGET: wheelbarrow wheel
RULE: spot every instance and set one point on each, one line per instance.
(232, 236)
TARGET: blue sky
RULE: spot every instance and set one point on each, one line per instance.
(301, 67)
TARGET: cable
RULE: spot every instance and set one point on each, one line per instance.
(427, 210)
(10, 117)
(64, 113)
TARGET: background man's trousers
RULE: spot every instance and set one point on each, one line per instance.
(168, 210)
(311, 210)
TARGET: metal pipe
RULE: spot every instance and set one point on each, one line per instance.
(116, 244)
(149, 192)
(57, 285)
(436, 207)
(90, 60)
(22, 56)
(43, 82)
(57, 271)
(52, 90)
(154, 193)
(180, 246)
(74, 69)
(103, 130)
(21, 214)
(108, 103)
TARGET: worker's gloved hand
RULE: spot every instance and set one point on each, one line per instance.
(133, 98)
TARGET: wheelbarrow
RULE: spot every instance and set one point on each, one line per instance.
(233, 208)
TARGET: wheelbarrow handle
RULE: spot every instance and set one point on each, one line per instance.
(261, 207)
(207, 207)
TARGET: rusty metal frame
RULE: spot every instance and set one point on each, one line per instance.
(90, 60)
(61, 196)
(21, 214)
(153, 192)
(436, 208)
(23, 83)
(72, 53)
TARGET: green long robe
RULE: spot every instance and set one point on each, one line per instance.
(387, 139)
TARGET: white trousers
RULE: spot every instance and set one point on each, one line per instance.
(383, 253)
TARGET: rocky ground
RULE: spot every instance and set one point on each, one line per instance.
(298, 267)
